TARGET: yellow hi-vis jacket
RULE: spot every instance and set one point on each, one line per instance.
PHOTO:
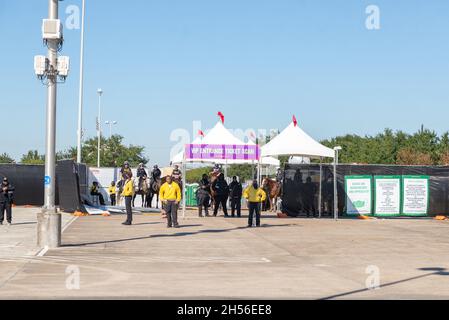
(254, 195)
(112, 190)
(170, 192)
(128, 189)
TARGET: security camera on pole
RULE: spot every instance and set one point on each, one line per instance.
(49, 69)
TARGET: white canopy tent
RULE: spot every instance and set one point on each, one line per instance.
(217, 135)
(293, 141)
(220, 135)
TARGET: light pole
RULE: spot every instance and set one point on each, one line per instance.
(49, 69)
(336, 150)
(100, 93)
(80, 98)
(110, 123)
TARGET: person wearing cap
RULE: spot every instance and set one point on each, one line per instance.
(128, 193)
(126, 170)
(141, 174)
(170, 195)
(177, 175)
(255, 196)
(6, 193)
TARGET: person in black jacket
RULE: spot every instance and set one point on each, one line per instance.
(235, 193)
(203, 196)
(221, 190)
(6, 195)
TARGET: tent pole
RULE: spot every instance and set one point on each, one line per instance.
(184, 187)
(226, 169)
(320, 191)
(335, 187)
(252, 170)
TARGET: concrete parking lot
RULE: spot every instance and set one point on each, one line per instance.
(220, 258)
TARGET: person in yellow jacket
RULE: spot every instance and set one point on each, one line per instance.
(255, 197)
(170, 195)
(112, 193)
(128, 193)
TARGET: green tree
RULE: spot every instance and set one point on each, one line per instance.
(113, 152)
(33, 157)
(243, 171)
(388, 147)
(6, 159)
(195, 175)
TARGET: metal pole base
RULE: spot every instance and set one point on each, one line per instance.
(49, 229)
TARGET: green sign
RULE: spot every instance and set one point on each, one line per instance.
(358, 195)
(387, 196)
(415, 196)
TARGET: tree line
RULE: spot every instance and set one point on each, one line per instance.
(424, 147)
(113, 152)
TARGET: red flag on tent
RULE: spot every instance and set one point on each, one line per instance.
(221, 115)
(295, 122)
(201, 133)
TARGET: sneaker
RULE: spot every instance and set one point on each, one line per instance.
(9, 223)
(126, 223)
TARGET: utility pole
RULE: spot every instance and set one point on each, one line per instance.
(100, 93)
(50, 68)
(81, 85)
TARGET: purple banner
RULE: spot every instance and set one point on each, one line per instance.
(222, 152)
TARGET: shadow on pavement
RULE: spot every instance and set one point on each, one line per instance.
(179, 234)
(434, 272)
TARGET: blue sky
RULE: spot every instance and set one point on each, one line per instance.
(164, 64)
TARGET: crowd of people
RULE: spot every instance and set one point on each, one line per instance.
(169, 193)
(215, 192)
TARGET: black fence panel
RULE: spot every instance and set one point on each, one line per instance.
(29, 183)
(69, 187)
(301, 186)
(83, 179)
